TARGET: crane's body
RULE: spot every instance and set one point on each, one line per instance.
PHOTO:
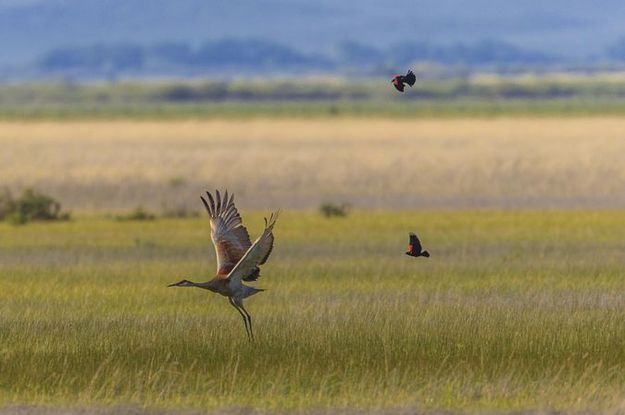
(223, 287)
(238, 259)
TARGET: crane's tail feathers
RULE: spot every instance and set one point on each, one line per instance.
(250, 291)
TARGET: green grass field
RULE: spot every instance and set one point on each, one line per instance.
(513, 311)
(478, 95)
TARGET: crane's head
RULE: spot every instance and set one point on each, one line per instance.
(183, 283)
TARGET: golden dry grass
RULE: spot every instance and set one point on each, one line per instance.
(515, 162)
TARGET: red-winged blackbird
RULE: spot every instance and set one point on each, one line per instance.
(400, 80)
(415, 249)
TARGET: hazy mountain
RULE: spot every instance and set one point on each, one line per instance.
(576, 28)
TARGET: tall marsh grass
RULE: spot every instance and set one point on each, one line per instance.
(513, 311)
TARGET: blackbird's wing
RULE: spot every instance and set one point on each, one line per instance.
(398, 84)
(415, 243)
(410, 78)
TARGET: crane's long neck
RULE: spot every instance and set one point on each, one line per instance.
(205, 285)
(187, 283)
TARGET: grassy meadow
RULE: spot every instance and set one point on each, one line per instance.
(520, 308)
(513, 311)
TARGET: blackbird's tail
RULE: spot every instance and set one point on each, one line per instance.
(425, 254)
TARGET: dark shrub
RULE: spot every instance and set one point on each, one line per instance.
(30, 206)
(137, 214)
(330, 210)
(7, 204)
(179, 213)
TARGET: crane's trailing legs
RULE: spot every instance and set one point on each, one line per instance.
(247, 319)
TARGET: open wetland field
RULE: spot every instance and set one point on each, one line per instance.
(521, 307)
(514, 311)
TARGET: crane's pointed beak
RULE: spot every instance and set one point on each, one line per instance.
(183, 283)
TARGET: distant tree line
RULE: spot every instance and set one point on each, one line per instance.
(475, 54)
(263, 55)
(258, 54)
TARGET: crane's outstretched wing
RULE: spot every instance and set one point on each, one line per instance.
(257, 254)
(415, 243)
(229, 236)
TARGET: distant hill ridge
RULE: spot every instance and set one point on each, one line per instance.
(107, 38)
(234, 56)
(571, 28)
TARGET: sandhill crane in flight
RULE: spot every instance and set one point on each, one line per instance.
(238, 259)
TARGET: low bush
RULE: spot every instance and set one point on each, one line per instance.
(179, 213)
(7, 204)
(136, 215)
(330, 210)
(30, 206)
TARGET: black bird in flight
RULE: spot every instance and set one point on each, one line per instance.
(400, 80)
(415, 249)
